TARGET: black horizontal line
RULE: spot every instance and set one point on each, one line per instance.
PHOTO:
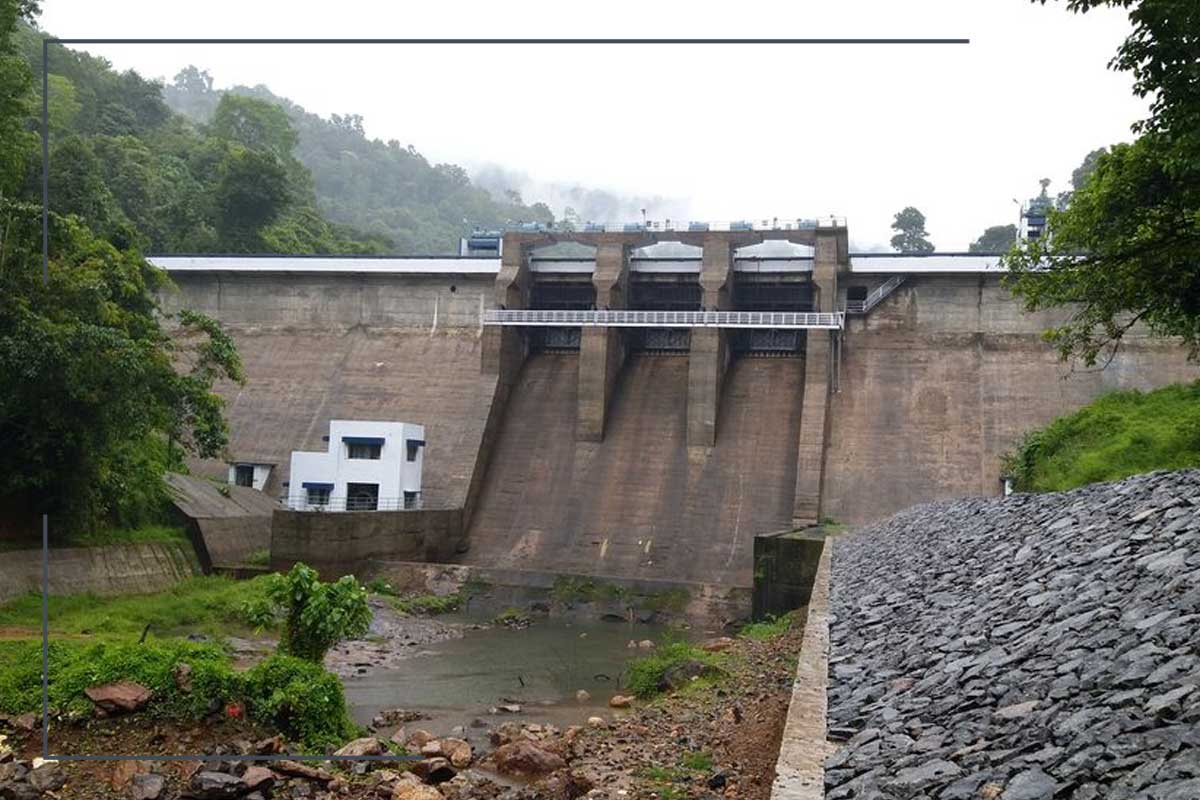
(512, 41)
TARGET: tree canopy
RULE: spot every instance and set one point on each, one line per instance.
(1124, 248)
(911, 234)
(996, 239)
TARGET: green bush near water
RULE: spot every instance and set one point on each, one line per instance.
(644, 675)
(1117, 435)
(296, 697)
(770, 628)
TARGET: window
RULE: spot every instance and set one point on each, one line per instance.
(412, 500)
(243, 475)
(362, 496)
(365, 451)
(413, 448)
(317, 495)
(856, 293)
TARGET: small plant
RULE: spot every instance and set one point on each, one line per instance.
(380, 586)
(512, 618)
(223, 490)
(770, 628)
(697, 761)
(259, 558)
(428, 604)
(318, 615)
(258, 613)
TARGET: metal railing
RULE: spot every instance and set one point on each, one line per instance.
(686, 226)
(667, 319)
(876, 297)
(360, 503)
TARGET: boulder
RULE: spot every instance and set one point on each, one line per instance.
(596, 722)
(410, 790)
(147, 786)
(18, 790)
(209, 785)
(418, 739)
(299, 770)
(433, 770)
(25, 722)
(49, 777)
(582, 696)
(125, 771)
(718, 645)
(119, 697)
(645, 644)
(620, 701)
(366, 746)
(525, 759)
(258, 778)
(458, 751)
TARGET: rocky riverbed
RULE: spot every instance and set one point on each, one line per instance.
(1025, 648)
(709, 740)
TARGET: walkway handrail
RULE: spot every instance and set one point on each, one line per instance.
(876, 297)
(666, 319)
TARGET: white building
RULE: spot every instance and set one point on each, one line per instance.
(369, 466)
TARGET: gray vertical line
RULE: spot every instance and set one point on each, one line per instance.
(46, 282)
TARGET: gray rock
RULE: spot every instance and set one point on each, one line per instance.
(147, 786)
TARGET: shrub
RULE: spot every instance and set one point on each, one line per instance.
(300, 700)
(428, 604)
(318, 615)
(645, 675)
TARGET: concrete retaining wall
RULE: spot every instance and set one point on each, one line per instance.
(800, 770)
(337, 544)
(114, 569)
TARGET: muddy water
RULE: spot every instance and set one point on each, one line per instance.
(540, 668)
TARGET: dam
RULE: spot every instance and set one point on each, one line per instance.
(641, 401)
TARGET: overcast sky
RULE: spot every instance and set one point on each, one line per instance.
(722, 132)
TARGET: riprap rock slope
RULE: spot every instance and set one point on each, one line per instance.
(1036, 646)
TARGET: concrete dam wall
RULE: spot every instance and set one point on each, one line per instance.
(945, 376)
(640, 503)
(608, 461)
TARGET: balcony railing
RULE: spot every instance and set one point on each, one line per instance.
(666, 319)
(360, 503)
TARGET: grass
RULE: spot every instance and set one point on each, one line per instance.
(1117, 435)
(259, 558)
(213, 605)
(645, 674)
(572, 589)
(668, 783)
(104, 536)
(770, 628)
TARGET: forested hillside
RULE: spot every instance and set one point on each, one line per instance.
(375, 186)
(139, 174)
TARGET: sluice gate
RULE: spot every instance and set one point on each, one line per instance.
(641, 503)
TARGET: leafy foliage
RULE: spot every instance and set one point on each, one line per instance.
(89, 378)
(770, 628)
(1117, 435)
(1125, 248)
(300, 700)
(318, 615)
(996, 239)
(911, 234)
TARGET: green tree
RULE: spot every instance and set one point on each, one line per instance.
(17, 142)
(995, 239)
(911, 234)
(1126, 248)
(252, 192)
(255, 124)
(318, 615)
(97, 398)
